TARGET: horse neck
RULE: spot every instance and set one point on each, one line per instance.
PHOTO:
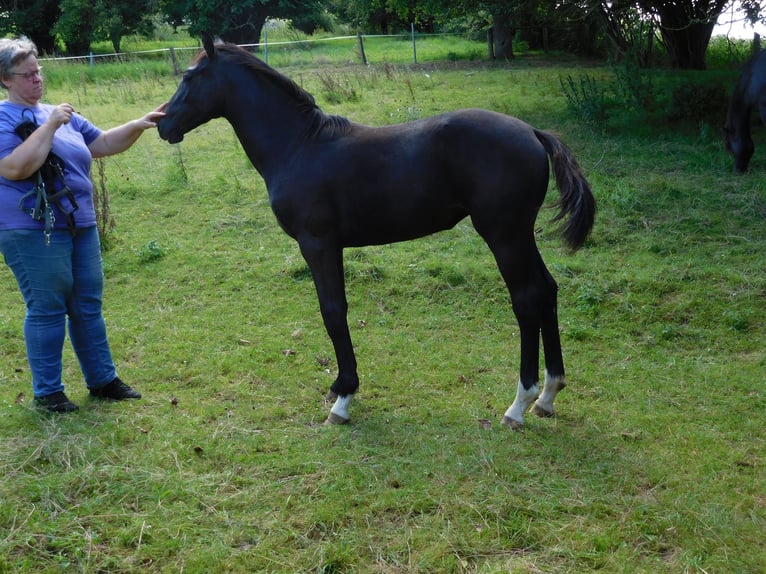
(740, 107)
(269, 125)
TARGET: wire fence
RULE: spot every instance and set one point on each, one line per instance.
(360, 48)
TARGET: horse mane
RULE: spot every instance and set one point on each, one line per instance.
(321, 122)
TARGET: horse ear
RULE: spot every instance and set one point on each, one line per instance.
(209, 44)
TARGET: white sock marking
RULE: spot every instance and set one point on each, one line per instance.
(340, 408)
(524, 398)
(552, 387)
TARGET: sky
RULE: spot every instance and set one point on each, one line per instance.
(731, 23)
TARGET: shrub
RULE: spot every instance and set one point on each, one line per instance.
(151, 251)
(698, 102)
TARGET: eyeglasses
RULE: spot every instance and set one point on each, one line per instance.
(29, 76)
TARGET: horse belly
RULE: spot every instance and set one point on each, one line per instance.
(388, 215)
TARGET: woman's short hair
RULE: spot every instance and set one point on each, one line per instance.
(13, 51)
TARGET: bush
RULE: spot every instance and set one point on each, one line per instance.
(698, 102)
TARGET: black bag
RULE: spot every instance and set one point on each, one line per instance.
(50, 188)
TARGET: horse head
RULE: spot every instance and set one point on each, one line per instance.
(739, 146)
(199, 98)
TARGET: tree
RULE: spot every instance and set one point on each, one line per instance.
(76, 25)
(32, 18)
(753, 10)
(119, 18)
(368, 15)
(503, 19)
(685, 27)
(630, 31)
(237, 21)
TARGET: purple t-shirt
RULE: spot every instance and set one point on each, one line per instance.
(70, 143)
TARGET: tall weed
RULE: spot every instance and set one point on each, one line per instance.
(587, 100)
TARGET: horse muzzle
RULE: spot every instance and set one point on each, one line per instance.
(166, 131)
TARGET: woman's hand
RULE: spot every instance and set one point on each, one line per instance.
(61, 114)
(30, 154)
(117, 140)
(150, 120)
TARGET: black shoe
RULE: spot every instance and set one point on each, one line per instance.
(116, 391)
(56, 403)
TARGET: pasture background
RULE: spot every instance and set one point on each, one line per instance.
(653, 464)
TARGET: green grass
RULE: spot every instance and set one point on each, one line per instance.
(654, 463)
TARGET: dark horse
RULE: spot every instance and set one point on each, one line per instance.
(749, 93)
(333, 184)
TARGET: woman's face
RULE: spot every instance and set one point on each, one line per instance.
(25, 84)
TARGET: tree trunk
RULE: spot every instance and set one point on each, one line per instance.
(686, 27)
(249, 34)
(687, 47)
(502, 34)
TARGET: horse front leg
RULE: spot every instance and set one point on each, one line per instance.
(326, 265)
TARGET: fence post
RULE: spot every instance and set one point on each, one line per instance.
(414, 47)
(361, 47)
(173, 59)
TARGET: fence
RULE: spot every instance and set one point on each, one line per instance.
(390, 48)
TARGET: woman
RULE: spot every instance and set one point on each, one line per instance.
(55, 254)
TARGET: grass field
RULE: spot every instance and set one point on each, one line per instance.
(654, 464)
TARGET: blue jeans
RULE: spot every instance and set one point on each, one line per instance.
(58, 281)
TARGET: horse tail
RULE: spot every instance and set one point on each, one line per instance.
(576, 201)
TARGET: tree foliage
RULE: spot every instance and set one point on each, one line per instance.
(76, 25)
(119, 18)
(629, 28)
(34, 19)
(238, 21)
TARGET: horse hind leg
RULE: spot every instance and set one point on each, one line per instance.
(519, 264)
(514, 416)
(554, 362)
(542, 403)
(339, 411)
(533, 295)
(543, 406)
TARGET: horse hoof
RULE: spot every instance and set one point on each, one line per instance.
(333, 419)
(512, 424)
(542, 413)
(330, 397)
